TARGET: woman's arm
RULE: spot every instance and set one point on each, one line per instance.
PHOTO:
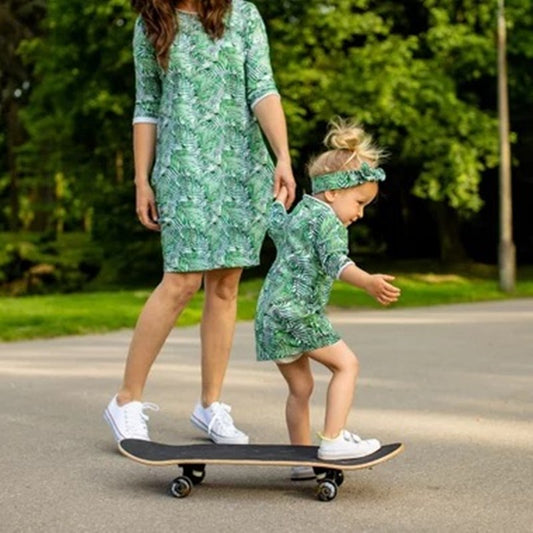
(144, 138)
(145, 117)
(271, 118)
(263, 98)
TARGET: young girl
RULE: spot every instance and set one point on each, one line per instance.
(312, 247)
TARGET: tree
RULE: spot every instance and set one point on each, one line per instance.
(18, 21)
(409, 72)
(79, 114)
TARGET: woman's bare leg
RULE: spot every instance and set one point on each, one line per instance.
(217, 329)
(154, 324)
(344, 365)
(300, 381)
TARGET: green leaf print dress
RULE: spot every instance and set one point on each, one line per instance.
(212, 174)
(312, 248)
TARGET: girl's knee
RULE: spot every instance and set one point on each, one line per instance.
(354, 364)
(302, 389)
(348, 363)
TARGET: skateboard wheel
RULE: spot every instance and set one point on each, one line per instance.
(327, 491)
(181, 487)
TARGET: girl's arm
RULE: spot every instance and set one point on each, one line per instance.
(144, 137)
(271, 117)
(375, 284)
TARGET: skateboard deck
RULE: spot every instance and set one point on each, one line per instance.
(194, 458)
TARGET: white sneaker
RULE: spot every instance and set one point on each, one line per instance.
(216, 421)
(128, 421)
(346, 446)
(302, 473)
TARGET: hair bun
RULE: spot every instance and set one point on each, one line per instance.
(348, 147)
(345, 135)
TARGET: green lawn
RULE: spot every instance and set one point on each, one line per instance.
(93, 312)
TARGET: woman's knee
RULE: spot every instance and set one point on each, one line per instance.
(223, 285)
(181, 287)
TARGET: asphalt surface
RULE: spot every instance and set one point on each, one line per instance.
(454, 383)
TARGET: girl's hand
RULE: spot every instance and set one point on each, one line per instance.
(145, 207)
(283, 194)
(379, 287)
(283, 178)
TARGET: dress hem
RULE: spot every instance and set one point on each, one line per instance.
(300, 353)
(209, 268)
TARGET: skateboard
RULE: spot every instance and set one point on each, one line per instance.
(194, 458)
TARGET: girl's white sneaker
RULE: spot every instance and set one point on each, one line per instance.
(346, 446)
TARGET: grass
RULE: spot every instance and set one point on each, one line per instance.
(96, 312)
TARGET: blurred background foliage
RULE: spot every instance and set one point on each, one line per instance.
(420, 74)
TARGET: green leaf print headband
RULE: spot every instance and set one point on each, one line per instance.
(344, 179)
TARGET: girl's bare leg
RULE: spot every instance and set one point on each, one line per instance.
(344, 365)
(300, 381)
(217, 329)
(154, 324)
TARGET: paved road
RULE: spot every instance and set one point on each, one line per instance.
(454, 383)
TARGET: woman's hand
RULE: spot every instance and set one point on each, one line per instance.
(283, 177)
(145, 207)
(379, 287)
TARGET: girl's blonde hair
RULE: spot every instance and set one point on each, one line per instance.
(348, 147)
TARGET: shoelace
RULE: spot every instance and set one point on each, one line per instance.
(137, 424)
(222, 415)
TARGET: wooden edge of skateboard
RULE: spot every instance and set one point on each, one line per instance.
(317, 464)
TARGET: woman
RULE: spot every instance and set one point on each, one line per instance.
(204, 85)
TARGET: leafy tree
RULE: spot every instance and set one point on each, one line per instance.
(408, 71)
(18, 21)
(419, 74)
(79, 114)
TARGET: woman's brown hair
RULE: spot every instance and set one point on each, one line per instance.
(161, 22)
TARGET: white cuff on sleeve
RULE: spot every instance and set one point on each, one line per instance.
(341, 270)
(144, 120)
(263, 96)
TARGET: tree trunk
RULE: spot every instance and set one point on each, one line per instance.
(14, 138)
(119, 166)
(448, 224)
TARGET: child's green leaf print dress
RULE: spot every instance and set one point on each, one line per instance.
(212, 174)
(312, 248)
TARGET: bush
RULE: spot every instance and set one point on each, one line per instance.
(131, 252)
(32, 268)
